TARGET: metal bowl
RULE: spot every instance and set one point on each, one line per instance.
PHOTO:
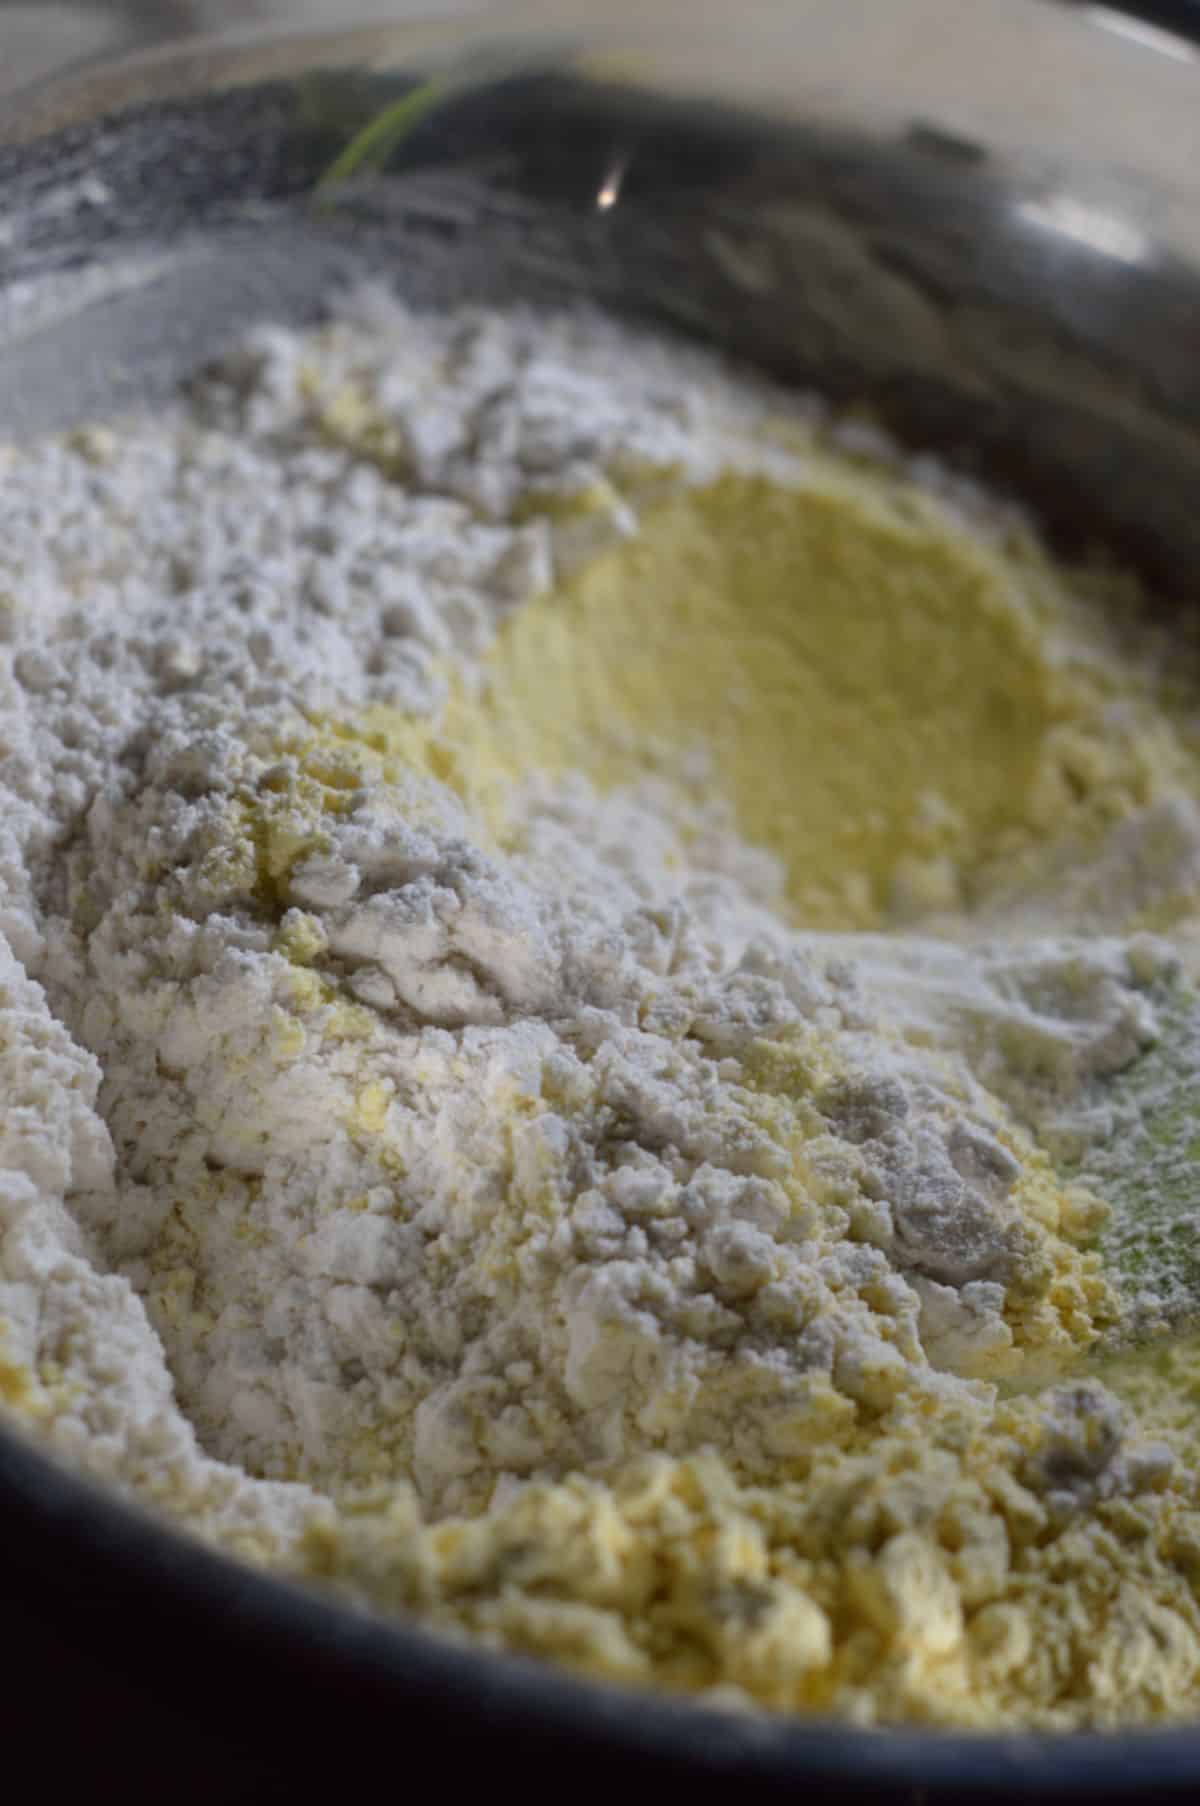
(982, 220)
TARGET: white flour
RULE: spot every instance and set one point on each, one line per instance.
(341, 1147)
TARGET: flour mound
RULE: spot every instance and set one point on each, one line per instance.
(489, 1185)
(506, 1211)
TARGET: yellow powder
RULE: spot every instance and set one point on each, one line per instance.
(16, 1381)
(861, 688)
(884, 702)
(904, 1573)
(1160, 1381)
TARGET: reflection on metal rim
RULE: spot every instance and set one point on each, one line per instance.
(1140, 31)
(1087, 225)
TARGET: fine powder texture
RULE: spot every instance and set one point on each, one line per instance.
(580, 946)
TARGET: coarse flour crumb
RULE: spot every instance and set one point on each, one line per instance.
(478, 1138)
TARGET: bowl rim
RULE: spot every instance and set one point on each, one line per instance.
(346, 1666)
